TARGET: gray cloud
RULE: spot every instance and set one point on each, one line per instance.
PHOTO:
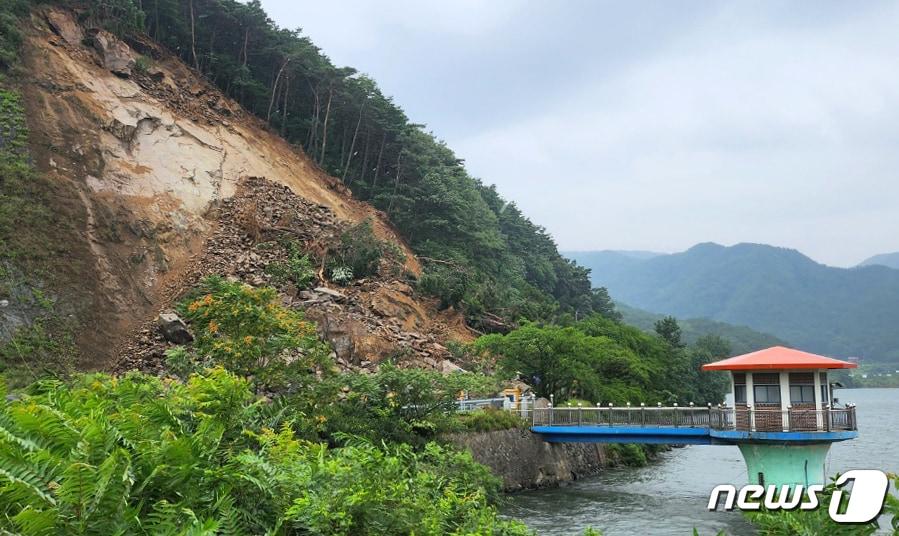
(651, 125)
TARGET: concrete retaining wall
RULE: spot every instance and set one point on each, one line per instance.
(524, 461)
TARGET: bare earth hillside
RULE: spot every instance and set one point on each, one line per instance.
(146, 159)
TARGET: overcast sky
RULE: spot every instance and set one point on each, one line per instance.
(651, 125)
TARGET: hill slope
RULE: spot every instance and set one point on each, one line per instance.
(843, 312)
(890, 260)
(132, 172)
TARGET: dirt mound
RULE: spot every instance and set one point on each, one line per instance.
(146, 165)
(367, 321)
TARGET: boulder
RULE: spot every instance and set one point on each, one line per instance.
(65, 26)
(115, 54)
(333, 294)
(173, 329)
(351, 341)
(448, 367)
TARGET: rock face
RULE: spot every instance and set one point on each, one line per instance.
(524, 461)
(65, 26)
(116, 55)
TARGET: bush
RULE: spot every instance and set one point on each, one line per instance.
(394, 404)
(629, 454)
(342, 275)
(10, 35)
(140, 455)
(815, 521)
(362, 252)
(296, 269)
(142, 64)
(490, 420)
(44, 348)
(246, 330)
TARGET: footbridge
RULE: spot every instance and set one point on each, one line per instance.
(784, 417)
(690, 425)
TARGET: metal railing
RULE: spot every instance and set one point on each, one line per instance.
(643, 416)
(465, 406)
(786, 420)
(714, 417)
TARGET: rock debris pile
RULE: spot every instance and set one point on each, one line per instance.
(366, 321)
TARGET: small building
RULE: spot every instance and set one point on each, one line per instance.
(784, 418)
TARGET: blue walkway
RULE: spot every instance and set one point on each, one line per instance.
(679, 436)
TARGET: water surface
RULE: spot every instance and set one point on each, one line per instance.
(669, 496)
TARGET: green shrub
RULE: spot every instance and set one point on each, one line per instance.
(393, 404)
(629, 454)
(247, 330)
(10, 35)
(140, 455)
(342, 275)
(362, 252)
(44, 348)
(490, 420)
(817, 521)
(296, 269)
(142, 64)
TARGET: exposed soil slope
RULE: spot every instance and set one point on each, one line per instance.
(144, 160)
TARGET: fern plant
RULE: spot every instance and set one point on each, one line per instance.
(144, 455)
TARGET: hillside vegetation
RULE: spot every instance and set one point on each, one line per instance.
(741, 339)
(841, 312)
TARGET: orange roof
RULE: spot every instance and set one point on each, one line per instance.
(778, 357)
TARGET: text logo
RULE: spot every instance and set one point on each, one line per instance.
(869, 490)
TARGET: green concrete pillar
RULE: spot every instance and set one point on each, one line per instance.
(785, 464)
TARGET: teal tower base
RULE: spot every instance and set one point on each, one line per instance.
(792, 464)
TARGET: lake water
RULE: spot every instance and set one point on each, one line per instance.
(669, 496)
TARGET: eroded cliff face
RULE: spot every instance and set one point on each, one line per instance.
(140, 157)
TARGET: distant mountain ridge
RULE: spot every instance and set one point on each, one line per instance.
(837, 311)
(890, 260)
(742, 339)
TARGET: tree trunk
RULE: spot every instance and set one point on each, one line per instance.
(374, 182)
(193, 37)
(246, 39)
(312, 138)
(349, 158)
(321, 157)
(156, 29)
(271, 104)
(364, 159)
(342, 158)
(396, 181)
(284, 112)
(211, 48)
